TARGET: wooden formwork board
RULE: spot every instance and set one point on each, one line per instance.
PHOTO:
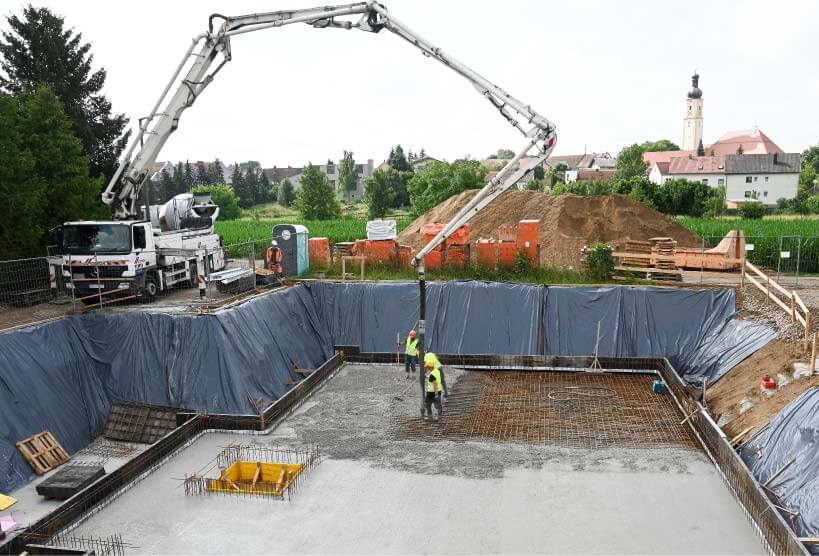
(138, 422)
(42, 452)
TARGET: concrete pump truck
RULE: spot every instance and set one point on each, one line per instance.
(156, 247)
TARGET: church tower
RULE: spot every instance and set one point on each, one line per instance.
(692, 124)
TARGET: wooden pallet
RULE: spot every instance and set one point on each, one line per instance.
(638, 248)
(135, 422)
(42, 452)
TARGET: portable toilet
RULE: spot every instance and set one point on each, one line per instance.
(292, 240)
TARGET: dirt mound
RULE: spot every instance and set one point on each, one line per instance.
(568, 222)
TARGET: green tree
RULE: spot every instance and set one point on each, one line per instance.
(503, 154)
(538, 172)
(38, 50)
(187, 177)
(378, 192)
(630, 162)
(224, 197)
(202, 177)
(250, 165)
(397, 160)
(238, 182)
(216, 172)
(164, 189)
(659, 145)
(556, 174)
(251, 185)
(22, 212)
(347, 177)
(286, 194)
(440, 180)
(752, 211)
(316, 199)
(264, 189)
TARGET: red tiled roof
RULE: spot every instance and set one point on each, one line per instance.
(663, 167)
(753, 141)
(587, 175)
(697, 165)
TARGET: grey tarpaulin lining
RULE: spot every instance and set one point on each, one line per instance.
(62, 375)
(792, 433)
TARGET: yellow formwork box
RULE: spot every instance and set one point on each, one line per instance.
(255, 477)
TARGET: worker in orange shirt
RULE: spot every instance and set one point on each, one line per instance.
(273, 258)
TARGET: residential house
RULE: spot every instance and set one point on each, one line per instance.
(421, 162)
(277, 175)
(751, 141)
(331, 171)
(155, 173)
(709, 170)
(766, 177)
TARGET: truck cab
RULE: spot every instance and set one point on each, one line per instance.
(102, 258)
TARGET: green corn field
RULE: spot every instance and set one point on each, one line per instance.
(798, 238)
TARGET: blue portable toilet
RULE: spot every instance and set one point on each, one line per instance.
(292, 240)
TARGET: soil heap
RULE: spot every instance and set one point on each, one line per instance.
(568, 222)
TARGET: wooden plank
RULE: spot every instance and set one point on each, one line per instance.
(800, 302)
(809, 540)
(735, 440)
(755, 270)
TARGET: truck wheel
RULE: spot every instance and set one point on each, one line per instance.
(151, 287)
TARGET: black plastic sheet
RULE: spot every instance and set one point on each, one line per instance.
(62, 376)
(793, 434)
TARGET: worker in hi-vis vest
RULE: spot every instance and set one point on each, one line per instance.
(434, 390)
(411, 352)
(430, 357)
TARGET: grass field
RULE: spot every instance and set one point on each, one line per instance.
(345, 229)
(770, 226)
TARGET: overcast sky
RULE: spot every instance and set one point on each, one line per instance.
(607, 73)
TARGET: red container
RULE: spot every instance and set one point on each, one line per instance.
(768, 382)
(405, 255)
(434, 260)
(528, 240)
(431, 230)
(486, 253)
(319, 250)
(507, 233)
(459, 236)
(359, 247)
(507, 254)
(457, 256)
(383, 252)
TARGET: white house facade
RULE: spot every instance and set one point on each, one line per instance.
(764, 177)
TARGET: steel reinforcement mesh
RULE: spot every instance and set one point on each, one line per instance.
(566, 409)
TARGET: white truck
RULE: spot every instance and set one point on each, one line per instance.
(110, 260)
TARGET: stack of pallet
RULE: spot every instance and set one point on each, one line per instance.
(665, 251)
(652, 259)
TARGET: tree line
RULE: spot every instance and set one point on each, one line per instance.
(60, 141)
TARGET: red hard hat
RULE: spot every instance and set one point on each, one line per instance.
(412, 334)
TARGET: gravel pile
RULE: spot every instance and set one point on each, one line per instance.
(352, 417)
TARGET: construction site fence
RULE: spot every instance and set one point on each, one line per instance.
(39, 289)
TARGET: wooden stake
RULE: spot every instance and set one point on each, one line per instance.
(793, 307)
(704, 390)
(768, 287)
(778, 473)
(737, 438)
(689, 416)
(257, 474)
(807, 329)
(813, 355)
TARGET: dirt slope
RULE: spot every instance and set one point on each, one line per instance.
(568, 222)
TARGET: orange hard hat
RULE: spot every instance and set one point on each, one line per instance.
(412, 334)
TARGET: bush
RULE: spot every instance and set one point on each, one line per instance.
(224, 197)
(440, 180)
(752, 211)
(599, 262)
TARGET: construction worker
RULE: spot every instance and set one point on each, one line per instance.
(411, 352)
(430, 357)
(434, 390)
(273, 258)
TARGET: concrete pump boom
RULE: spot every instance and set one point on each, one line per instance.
(124, 190)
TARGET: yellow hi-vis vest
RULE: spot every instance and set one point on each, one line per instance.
(429, 356)
(412, 346)
(436, 385)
